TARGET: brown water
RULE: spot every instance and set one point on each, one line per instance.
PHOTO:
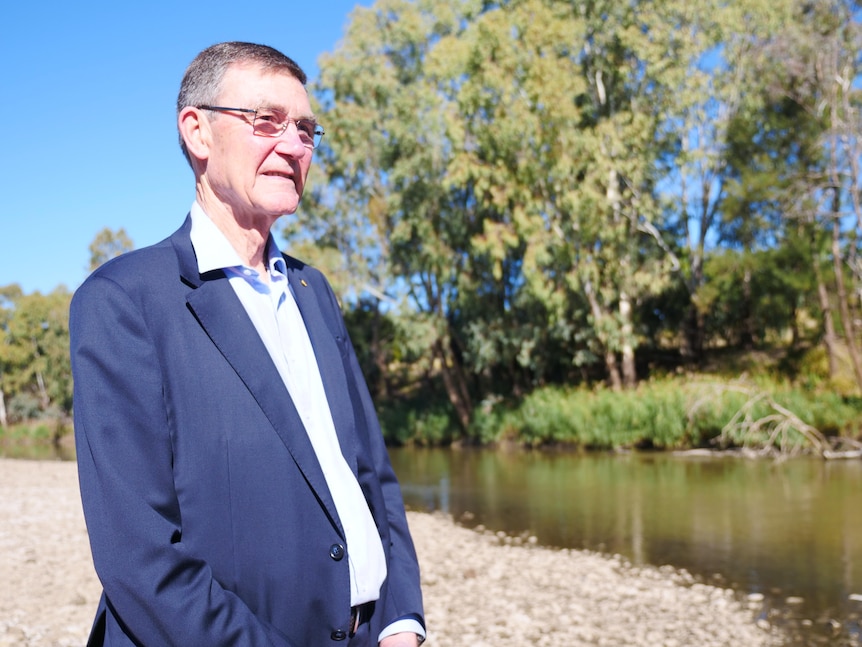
(791, 531)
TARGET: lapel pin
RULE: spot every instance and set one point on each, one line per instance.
(304, 284)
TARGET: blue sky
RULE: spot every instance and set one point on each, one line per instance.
(87, 119)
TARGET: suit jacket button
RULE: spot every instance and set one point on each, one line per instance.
(336, 552)
(338, 635)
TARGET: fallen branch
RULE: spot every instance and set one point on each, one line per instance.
(780, 432)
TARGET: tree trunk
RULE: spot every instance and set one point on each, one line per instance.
(628, 352)
(795, 333)
(691, 344)
(378, 352)
(44, 400)
(843, 306)
(454, 383)
(3, 420)
(830, 339)
(611, 366)
(748, 335)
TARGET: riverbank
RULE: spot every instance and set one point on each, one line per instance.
(480, 589)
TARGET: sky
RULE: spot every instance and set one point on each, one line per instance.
(87, 117)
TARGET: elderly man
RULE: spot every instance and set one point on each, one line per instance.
(234, 479)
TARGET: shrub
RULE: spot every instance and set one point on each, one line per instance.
(406, 422)
(24, 406)
(661, 414)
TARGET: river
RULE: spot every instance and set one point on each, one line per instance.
(789, 531)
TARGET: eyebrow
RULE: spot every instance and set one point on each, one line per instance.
(269, 106)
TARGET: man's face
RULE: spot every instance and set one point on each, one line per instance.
(257, 178)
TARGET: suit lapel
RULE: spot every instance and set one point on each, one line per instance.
(220, 313)
(327, 350)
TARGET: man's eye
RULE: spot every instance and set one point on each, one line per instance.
(269, 123)
(306, 127)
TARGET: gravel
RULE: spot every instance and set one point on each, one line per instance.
(481, 588)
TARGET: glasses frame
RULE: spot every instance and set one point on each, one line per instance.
(317, 135)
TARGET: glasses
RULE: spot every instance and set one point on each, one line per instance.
(268, 122)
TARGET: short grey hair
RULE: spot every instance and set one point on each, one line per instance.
(201, 84)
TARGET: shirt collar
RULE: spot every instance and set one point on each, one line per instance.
(214, 251)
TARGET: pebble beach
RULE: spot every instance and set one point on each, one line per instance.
(481, 589)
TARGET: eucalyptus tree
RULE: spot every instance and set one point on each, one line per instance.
(707, 97)
(717, 105)
(8, 295)
(633, 58)
(827, 48)
(386, 206)
(107, 244)
(498, 164)
(567, 111)
(769, 140)
(809, 71)
(514, 80)
(34, 349)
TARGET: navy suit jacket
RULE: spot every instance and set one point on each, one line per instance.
(209, 517)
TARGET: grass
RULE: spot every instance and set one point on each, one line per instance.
(666, 413)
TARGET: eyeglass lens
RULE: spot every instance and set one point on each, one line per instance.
(272, 123)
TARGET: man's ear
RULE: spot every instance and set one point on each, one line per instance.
(196, 133)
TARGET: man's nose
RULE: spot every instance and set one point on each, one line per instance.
(289, 142)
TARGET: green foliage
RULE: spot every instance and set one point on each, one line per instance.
(662, 414)
(405, 422)
(811, 368)
(25, 433)
(496, 165)
(33, 433)
(648, 417)
(827, 411)
(34, 353)
(24, 406)
(751, 298)
(107, 244)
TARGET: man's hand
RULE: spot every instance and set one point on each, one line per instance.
(407, 639)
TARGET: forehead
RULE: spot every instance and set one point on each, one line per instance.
(249, 86)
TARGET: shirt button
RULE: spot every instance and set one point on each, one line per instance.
(338, 635)
(336, 552)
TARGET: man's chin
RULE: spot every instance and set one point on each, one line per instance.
(285, 206)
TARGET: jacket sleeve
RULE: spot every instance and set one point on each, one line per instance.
(160, 594)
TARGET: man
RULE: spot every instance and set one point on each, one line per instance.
(234, 479)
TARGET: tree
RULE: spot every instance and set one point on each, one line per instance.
(633, 60)
(506, 156)
(815, 66)
(538, 186)
(107, 244)
(34, 349)
(386, 166)
(8, 295)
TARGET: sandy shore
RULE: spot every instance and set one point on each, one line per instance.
(480, 589)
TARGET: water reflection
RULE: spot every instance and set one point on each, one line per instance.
(781, 529)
